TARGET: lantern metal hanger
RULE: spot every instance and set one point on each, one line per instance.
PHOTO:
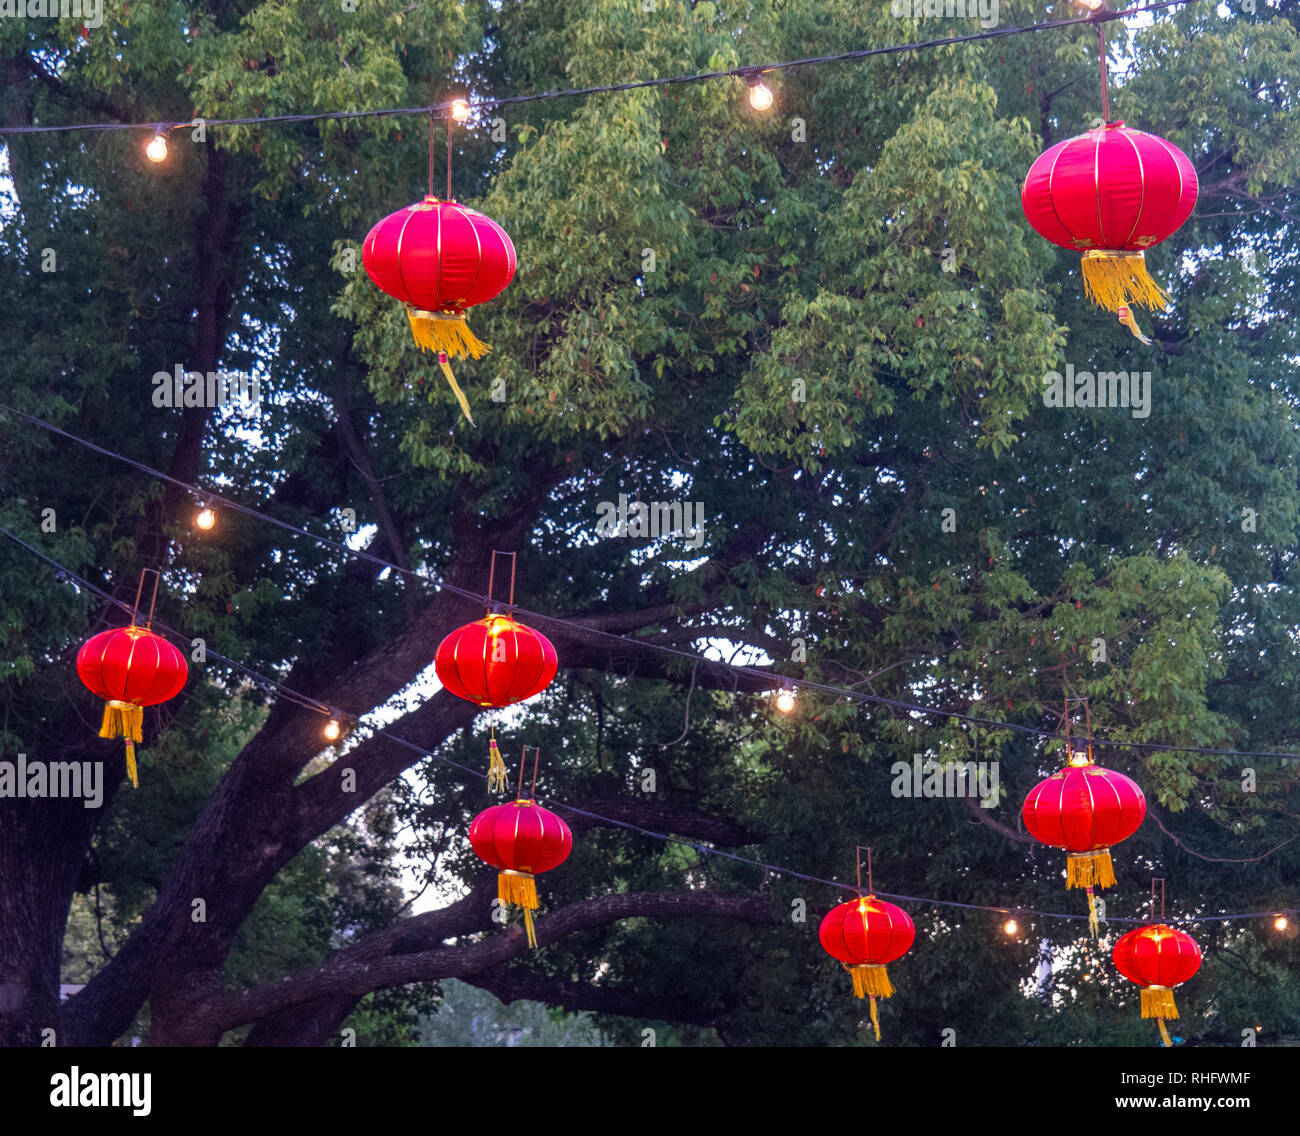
(1068, 811)
(865, 934)
(496, 661)
(1157, 958)
(130, 668)
(521, 839)
(1111, 194)
(441, 258)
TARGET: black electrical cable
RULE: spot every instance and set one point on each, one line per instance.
(1101, 15)
(63, 572)
(773, 682)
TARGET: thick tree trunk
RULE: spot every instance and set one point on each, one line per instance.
(43, 844)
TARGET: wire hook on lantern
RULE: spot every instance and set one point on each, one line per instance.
(523, 761)
(153, 599)
(492, 573)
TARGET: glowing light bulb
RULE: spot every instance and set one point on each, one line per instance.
(785, 700)
(1092, 5)
(1079, 757)
(332, 730)
(205, 519)
(459, 110)
(156, 151)
(1280, 923)
(760, 94)
(1010, 926)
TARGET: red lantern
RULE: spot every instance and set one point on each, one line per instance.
(865, 934)
(130, 668)
(520, 839)
(1112, 193)
(1085, 809)
(1157, 958)
(440, 258)
(495, 661)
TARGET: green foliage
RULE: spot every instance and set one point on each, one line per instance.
(794, 355)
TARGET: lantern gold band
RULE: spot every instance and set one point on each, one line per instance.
(512, 872)
(1115, 254)
(423, 314)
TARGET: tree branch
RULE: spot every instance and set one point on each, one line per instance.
(205, 1020)
(509, 986)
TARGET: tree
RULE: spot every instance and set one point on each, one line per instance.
(713, 305)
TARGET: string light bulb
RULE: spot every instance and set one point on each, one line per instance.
(760, 94)
(459, 110)
(785, 700)
(156, 151)
(1011, 927)
(1092, 5)
(332, 730)
(1280, 923)
(205, 519)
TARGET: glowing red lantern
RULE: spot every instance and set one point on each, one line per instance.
(1157, 958)
(864, 934)
(495, 661)
(440, 258)
(1085, 809)
(520, 839)
(130, 668)
(1112, 193)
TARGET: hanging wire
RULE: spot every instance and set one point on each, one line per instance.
(769, 680)
(67, 574)
(1101, 15)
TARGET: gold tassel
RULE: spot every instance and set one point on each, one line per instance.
(518, 888)
(496, 769)
(1113, 279)
(875, 1020)
(1158, 1002)
(455, 387)
(871, 980)
(1089, 869)
(1126, 318)
(124, 720)
(446, 332)
(1164, 1034)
